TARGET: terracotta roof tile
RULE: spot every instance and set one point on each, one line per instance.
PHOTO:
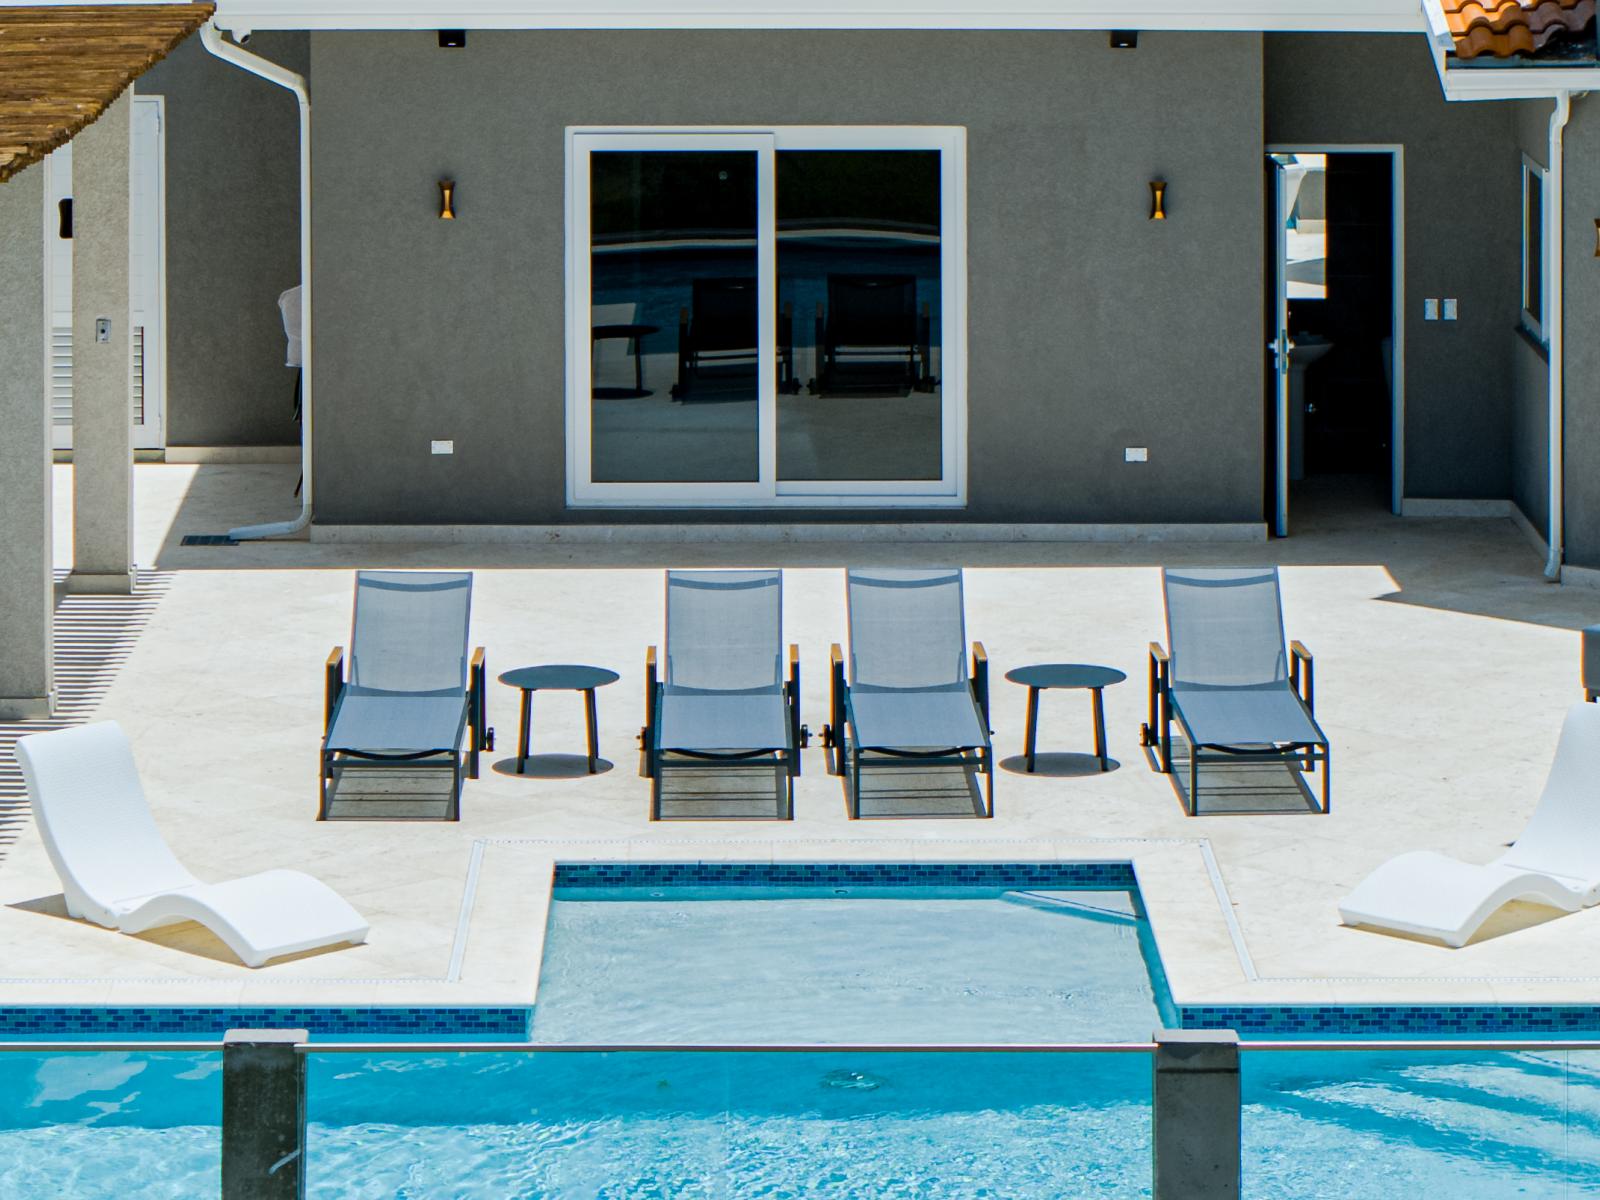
(1502, 28)
(60, 66)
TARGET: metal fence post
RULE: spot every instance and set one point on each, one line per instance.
(1196, 1114)
(263, 1115)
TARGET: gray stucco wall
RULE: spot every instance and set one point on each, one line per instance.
(1090, 328)
(233, 243)
(1462, 216)
(1582, 358)
(1530, 374)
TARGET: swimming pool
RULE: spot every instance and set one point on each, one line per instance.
(841, 961)
(959, 1125)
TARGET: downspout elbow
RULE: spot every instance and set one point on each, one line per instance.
(211, 37)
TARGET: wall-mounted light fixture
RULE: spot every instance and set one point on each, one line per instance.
(1597, 237)
(1124, 39)
(452, 39)
(447, 199)
(1158, 199)
(65, 209)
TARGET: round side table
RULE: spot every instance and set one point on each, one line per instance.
(1066, 675)
(561, 677)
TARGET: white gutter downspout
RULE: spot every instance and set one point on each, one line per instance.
(213, 41)
(1554, 322)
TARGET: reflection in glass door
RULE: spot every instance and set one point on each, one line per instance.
(674, 316)
(767, 317)
(859, 280)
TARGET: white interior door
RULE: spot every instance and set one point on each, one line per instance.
(1280, 345)
(146, 281)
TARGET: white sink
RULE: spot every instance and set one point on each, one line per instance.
(1308, 348)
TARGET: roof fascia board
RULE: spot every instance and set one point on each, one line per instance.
(1348, 16)
(1527, 83)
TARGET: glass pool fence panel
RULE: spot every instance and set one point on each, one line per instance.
(106, 1125)
(1470, 1124)
(831, 1123)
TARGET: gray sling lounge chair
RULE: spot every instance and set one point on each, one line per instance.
(1228, 681)
(723, 701)
(909, 700)
(412, 698)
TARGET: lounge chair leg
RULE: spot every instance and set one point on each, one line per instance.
(1194, 780)
(324, 774)
(655, 794)
(855, 784)
(988, 769)
(1327, 796)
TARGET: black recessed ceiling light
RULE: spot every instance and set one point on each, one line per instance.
(1124, 39)
(452, 39)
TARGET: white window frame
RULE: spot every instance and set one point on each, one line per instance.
(949, 491)
(1532, 170)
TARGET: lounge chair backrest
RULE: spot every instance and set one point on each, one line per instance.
(724, 629)
(725, 312)
(1563, 835)
(907, 627)
(94, 821)
(1225, 626)
(872, 310)
(409, 632)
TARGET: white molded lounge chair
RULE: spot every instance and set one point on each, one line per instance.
(116, 869)
(1555, 862)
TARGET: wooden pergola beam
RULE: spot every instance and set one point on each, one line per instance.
(61, 67)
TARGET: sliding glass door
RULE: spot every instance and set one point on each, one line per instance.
(768, 317)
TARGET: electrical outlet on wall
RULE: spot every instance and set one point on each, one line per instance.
(1430, 310)
(1136, 454)
(1451, 307)
(444, 447)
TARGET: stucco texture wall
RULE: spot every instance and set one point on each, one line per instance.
(1581, 361)
(1462, 219)
(233, 243)
(1090, 328)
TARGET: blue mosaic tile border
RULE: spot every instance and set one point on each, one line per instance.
(1397, 1020)
(859, 874)
(486, 1024)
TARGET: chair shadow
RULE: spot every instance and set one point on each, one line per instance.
(188, 937)
(757, 792)
(907, 793)
(1239, 789)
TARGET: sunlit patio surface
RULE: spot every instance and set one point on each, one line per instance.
(1444, 665)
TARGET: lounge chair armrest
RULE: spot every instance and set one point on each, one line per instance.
(478, 684)
(793, 688)
(1160, 666)
(332, 685)
(980, 680)
(1302, 674)
(651, 683)
(836, 690)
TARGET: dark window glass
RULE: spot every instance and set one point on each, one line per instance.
(673, 316)
(1533, 247)
(859, 315)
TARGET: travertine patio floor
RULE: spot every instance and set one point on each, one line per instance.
(1444, 666)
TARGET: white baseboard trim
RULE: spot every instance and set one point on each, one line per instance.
(233, 454)
(769, 532)
(1523, 522)
(1415, 507)
(1509, 509)
(1584, 577)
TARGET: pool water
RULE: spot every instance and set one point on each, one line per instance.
(834, 1125)
(898, 965)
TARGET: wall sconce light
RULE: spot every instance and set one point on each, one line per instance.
(1597, 237)
(1158, 199)
(452, 39)
(447, 199)
(1124, 39)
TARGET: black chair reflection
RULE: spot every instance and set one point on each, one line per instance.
(872, 338)
(720, 329)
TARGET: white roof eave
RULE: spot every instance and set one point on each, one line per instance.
(1342, 16)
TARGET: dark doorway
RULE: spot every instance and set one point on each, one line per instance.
(1336, 272)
